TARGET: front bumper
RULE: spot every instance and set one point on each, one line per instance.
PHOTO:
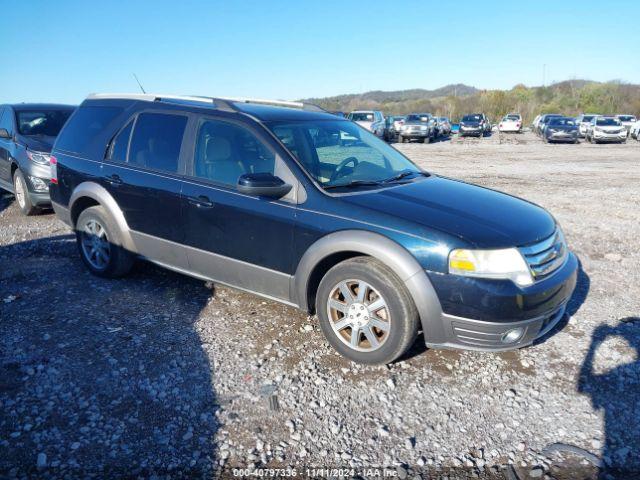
(471, 131)
(610, 137)
(415, 133)
(476, 313)
(562, 137)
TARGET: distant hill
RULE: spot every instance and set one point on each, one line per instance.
(570, 97)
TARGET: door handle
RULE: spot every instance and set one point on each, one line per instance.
(201, 201)
(114, 179)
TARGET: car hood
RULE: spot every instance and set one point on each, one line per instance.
(426, 124)
(38, 143)
(563, 127)
(482, 217)
(470, 124)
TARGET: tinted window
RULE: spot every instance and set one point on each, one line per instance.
(562, 121)
(608, 122)
(471, 118)
(361, 116)
(83, 126)
(120, 145)
(5, 120)
(156, 141)
(225, 151)
(41, 122)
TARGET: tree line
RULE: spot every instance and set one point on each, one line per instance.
(570, 97)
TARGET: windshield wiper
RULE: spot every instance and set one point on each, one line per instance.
(354, 183)
(402, 175)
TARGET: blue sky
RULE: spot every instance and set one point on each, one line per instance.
(62, 50)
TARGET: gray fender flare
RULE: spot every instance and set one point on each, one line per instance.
(103, 197)
(388, 252)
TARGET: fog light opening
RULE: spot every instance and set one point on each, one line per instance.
(513, 335)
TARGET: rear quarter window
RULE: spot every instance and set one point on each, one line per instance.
(83, 126)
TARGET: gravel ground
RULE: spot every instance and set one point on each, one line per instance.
(159, 373)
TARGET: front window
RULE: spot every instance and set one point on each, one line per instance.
(471, 118)
(608, 122)
(340, 155)
(361, 116)
(42, 122)
(626, 118)
(587, 118)
(418, 118)
(564, 122)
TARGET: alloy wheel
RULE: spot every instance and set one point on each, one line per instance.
(359, 315)
(95, 245)
(19, 189)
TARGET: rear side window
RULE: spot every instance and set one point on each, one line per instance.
(120, 145)
(83, 126)
(156, 141)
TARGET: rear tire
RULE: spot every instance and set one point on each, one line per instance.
(21, 192)
(100, 244)
(364, 296)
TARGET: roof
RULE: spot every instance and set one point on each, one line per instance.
(37, 106)
(262, 109)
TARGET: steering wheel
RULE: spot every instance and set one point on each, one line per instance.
(335, 175)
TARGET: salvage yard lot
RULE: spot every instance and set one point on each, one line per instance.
(160, 372)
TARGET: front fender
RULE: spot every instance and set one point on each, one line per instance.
(388, 252)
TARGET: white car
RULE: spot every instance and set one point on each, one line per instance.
(583, 121)
(511, 123)
(606, 129)
(627, 121)
(634, 131)
(372, 120)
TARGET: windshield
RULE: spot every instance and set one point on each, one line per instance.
(337, 153)
(361, 116)
(587, 118)
(606, 122)
(567, 122)
(471, 118)
(512, 117)
(418, 117)
(626, 118)
(41, 122)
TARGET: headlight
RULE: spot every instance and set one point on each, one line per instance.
(39, 185)
(38, 157)
(506, 263)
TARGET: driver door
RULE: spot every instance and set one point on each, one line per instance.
(241, 240)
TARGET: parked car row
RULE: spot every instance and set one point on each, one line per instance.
(595, 128)
(421, 127)
(286, 201)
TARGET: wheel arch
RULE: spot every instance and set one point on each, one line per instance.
(89, 194)
(339, 246)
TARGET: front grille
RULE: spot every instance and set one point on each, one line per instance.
(546, 256)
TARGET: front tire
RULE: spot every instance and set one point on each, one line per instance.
(365, 311)
(21, 193)
(100, 244)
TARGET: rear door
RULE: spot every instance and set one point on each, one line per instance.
(238, 239)
(143, 171)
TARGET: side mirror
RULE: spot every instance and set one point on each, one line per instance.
(263, 185)
(4, 133)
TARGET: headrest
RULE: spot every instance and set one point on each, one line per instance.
(218, 149)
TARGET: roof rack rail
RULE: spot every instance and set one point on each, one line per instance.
(223, 103)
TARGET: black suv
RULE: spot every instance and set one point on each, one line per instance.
(271, 199)
(27, 133)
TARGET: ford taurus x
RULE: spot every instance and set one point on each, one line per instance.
(268, 198)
